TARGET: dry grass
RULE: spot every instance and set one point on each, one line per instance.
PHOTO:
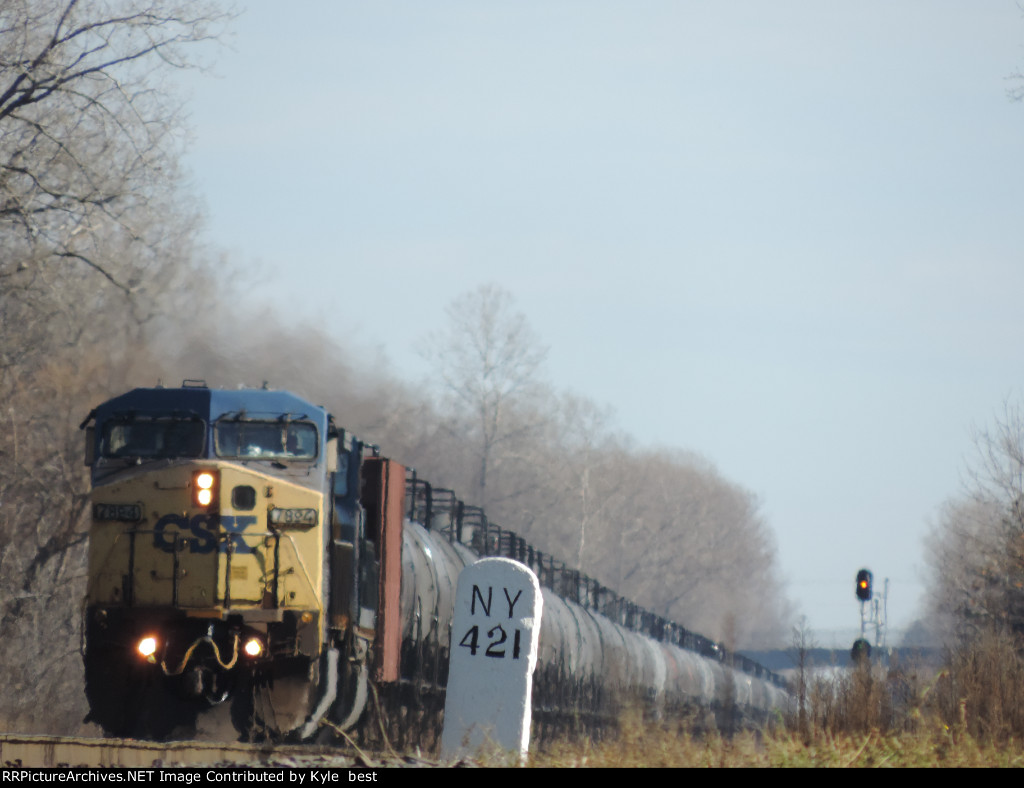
(651, 745)
(970, 713)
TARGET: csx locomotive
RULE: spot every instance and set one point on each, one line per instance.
(253, 563)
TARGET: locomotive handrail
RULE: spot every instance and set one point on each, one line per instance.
(298, 557)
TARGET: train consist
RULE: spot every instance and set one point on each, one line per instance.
(251, 562)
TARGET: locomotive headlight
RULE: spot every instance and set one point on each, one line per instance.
(253, 647)
(204, 485)
(147, 646)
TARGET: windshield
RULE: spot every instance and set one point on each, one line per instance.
(265, 440)
(154, 438)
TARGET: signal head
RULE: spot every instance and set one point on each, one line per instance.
(860, 652)
(864, 585)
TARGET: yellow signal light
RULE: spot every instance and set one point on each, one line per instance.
(864, 585)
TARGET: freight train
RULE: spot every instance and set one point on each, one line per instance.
(252, 562)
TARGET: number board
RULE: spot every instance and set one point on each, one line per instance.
(293, 516)
(122, 512)
(495, 635)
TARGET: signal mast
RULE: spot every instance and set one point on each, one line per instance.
(873, 610)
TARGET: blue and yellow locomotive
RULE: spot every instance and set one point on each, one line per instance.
(233, 556)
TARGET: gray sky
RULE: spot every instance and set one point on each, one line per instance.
(785, 235)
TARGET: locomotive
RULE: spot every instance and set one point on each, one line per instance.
(254, 565)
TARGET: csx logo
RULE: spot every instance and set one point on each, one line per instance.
(204, 528)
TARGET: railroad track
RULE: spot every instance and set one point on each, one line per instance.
(18, 750)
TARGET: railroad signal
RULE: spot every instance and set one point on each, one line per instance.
(860, 652)
(864, 585)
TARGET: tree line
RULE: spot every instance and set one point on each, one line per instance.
(976, 549)
(105, 285)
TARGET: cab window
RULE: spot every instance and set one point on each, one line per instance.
(265, 440)
(153, 438)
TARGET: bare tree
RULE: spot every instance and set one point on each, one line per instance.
(96, 247)
(976, 551)
(661, 527)
(690, 545)
(86, 136)
(91, 223)
(800, 653)
(585, 434)
(489, 360)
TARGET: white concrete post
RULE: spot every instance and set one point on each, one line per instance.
(495, 632)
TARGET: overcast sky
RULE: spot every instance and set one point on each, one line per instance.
(785, 235)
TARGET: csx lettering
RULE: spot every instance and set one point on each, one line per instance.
(234, 526)
(204, 530)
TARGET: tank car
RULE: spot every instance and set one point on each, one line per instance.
(253, 565)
